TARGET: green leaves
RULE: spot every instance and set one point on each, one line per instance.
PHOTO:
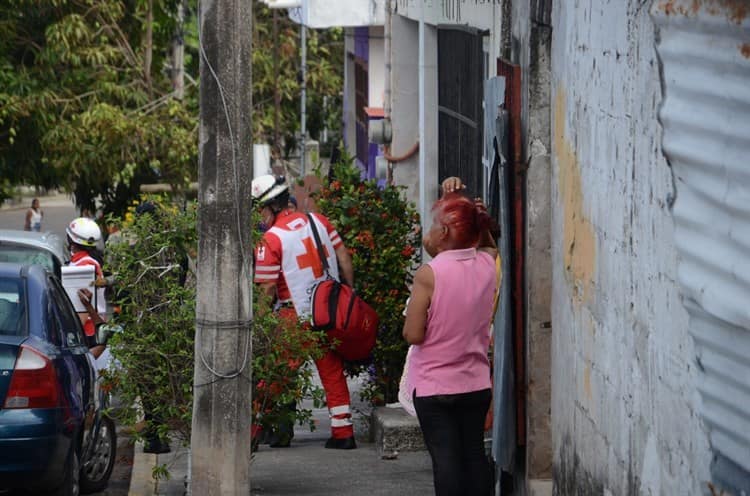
(152, 259)
(155, 290)
(73, 81)
(277, 72)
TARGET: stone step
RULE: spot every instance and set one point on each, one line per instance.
(395, 430)
(540, 487)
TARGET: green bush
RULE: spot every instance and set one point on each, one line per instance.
(153, 263)
(381, 230)
(155, 291)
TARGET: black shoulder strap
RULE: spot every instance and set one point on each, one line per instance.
(321, 253)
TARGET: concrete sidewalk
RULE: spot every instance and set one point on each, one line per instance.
(387, 467)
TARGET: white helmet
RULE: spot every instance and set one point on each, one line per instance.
(83, 231)
(266, 188)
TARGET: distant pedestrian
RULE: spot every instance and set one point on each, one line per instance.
(447, 320)
(292, 206)
(34, 217)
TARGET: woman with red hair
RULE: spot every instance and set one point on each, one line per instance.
(448, 320)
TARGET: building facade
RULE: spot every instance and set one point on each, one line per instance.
(612, 138)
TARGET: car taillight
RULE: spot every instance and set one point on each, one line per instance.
(34, 382)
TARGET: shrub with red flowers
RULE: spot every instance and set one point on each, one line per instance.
(381, 230)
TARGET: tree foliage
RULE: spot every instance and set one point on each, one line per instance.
(87, 103)
(381, 230)
(85, 98)
(155, 291)
(277, 73)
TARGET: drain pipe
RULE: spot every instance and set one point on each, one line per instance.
(422, 84)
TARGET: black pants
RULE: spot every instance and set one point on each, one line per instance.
(453, 429)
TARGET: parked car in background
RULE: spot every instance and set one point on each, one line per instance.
(46, 249)
(54, 436)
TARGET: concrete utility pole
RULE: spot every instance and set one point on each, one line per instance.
(220, 443)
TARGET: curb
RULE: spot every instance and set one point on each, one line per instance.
(394, 430)
(141, 481)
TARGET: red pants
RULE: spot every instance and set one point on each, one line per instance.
(331, 372)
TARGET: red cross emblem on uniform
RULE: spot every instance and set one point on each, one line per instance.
(310, 258)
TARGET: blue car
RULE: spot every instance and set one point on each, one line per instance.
(29, 247)
(54, 436)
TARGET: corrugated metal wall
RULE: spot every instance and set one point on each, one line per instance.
(704, 49)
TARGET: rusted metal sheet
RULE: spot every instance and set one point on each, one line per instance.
(512, 74)
(704, 47)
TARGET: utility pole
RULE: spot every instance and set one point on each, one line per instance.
(220, 442)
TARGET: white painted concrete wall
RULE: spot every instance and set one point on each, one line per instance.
(339, 13)
(531, 43)
(482, 14)
(405, 102)
(376, 67)
(414, 112)
(624, 405)
(350, 97)
(479, 14)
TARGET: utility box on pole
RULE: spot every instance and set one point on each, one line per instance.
(220, 442)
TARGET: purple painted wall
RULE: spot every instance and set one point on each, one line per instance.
(362, 43)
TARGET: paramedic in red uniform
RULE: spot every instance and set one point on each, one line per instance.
(286, 266)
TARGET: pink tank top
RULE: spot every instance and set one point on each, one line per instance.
(452, 359)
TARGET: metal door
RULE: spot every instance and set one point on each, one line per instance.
(460, 74)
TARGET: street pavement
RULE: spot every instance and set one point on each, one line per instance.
(306, 467)
(58, 209)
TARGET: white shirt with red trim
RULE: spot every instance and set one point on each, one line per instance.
(81, 258)
(288, 256)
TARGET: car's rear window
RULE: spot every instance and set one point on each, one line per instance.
(26, 255)
(12, 308)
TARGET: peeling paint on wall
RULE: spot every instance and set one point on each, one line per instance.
(625, 408)
(579, 243)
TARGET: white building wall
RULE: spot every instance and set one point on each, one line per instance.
(339, 13)
(405, 102)
(376, 67)
(478, 14)
(349, 115)
(625, 410)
